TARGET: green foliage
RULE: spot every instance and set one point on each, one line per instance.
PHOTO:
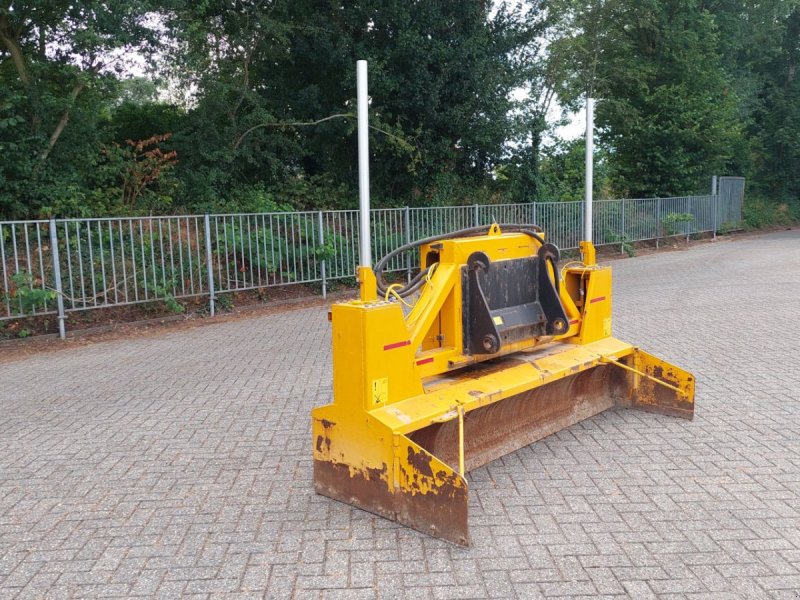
(760, 50)
(255, 102)
(327, 250)
(224, 301)
(671, 223)
(257, 199)
(173, 305)
(625, 244)
(131, 120)
(275, 100)
(759, 213)
(276, 248)
(665, 109)
(236, 236)
(134, 178)
(628, 248)
(57, 76)
(562, 172)
(29, 295)
(728, 227)
(779, 117)
(165, 284)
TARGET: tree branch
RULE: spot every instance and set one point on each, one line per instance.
(403, 142)
(73, 96)
(245, 82)
(16, 53)
(62, 123)
(239, 140)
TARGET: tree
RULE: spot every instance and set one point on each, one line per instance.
(276, 88)
(57, 66)
(665, 107)
(563, 172)
(779, 116)
(761, 51)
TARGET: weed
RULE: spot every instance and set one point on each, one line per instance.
(173, 305)
(166, 293)
(28, 296)
(326, 251)
(625, 243)
(727, 228)
(225, 301)
(670, 223)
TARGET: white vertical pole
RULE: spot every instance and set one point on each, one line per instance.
(363, 164)
(587, 218)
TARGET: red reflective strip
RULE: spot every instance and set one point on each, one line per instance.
(425, 361)
(574, 321)
(598, 299)
(396, 345)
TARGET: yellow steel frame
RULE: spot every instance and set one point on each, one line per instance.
(394, 375)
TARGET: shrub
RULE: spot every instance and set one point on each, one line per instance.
(759, 213)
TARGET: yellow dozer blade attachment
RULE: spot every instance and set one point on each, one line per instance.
(499, 350)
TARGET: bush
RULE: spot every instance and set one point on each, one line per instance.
(760, 213)
(30, 294)
(670, 223)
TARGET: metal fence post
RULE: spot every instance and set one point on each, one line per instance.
(691, 223)
(209, 266)
(583, 221)
(658, 221)
(477, 218)
(535, 222)
(62, 330)
(714, 202)
(714, 208)
(622, 230)
(322, 264)
(407, 216)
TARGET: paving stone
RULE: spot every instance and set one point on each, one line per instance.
(177, 463)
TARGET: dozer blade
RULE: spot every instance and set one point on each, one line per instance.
(403, 461)
(498, 429)
(366, 465)
(636, 380)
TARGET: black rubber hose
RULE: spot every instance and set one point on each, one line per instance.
(419, 279)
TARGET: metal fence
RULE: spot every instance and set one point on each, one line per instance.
(59, 266)
(731, 198)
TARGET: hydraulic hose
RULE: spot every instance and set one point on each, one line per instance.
(420, 278)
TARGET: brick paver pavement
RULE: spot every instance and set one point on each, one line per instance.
(180, 464)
